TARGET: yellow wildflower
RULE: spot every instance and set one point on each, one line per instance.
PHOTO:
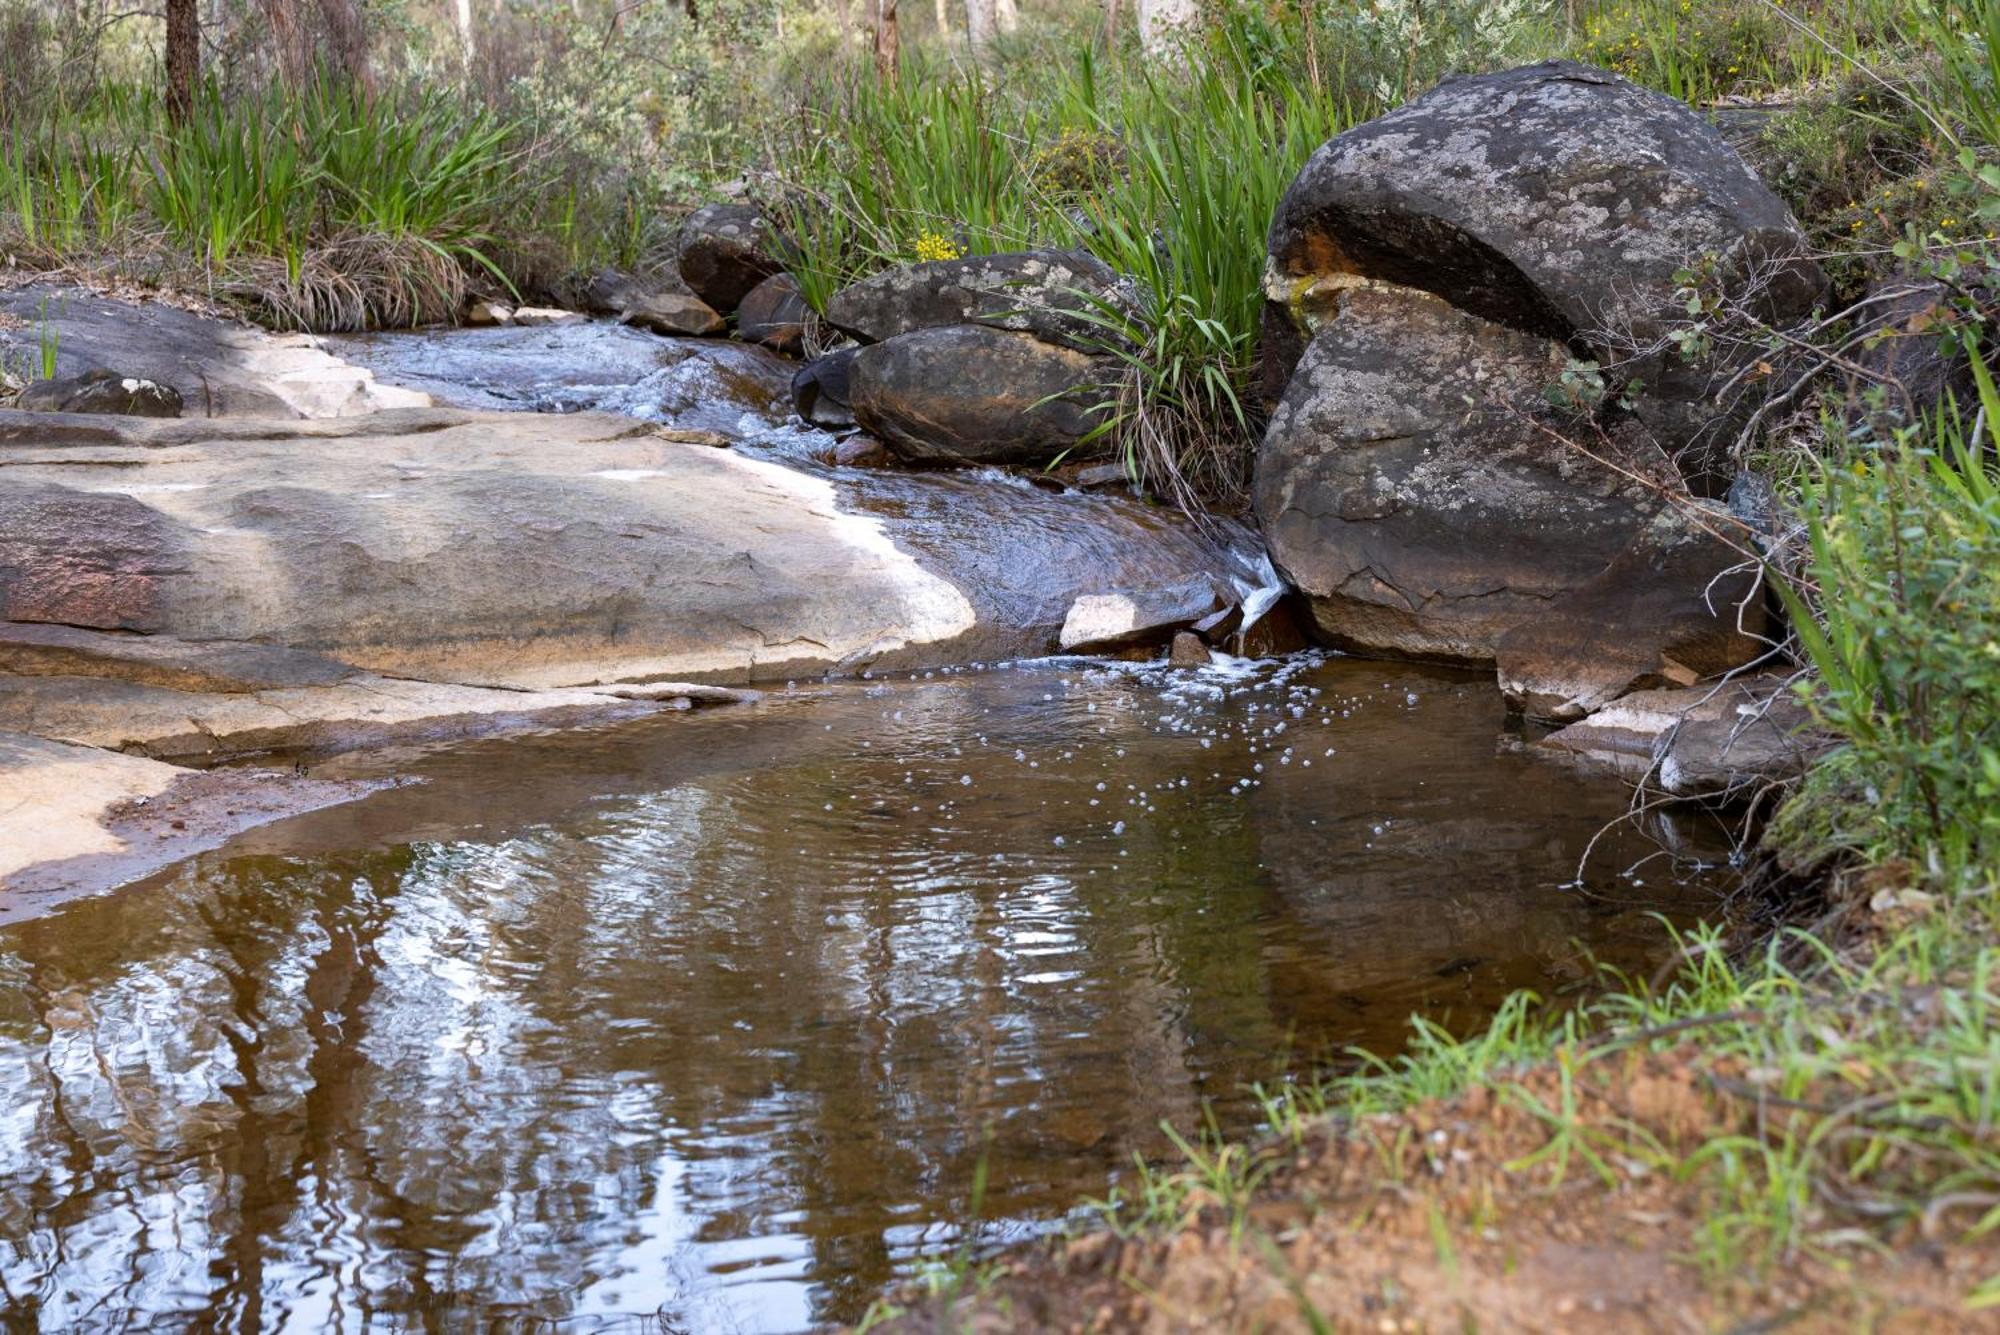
(936, 246)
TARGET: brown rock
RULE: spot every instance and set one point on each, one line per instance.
(968, 395)
(775, 315)
(724, 251)
(862, 451)
(1188, 651)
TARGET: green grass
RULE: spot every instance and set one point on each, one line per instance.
(1170, 177)
(323, 207)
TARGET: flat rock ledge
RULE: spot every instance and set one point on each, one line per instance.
(191, 590)
(77, 819)
(1730, 739)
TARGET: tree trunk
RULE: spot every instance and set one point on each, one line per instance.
(183, 57)
(979, 27)
(944, 18)
(1006, 16)
(462, 14)
(284, 27)
(350, 40)
(1163, 26)
(886, 41)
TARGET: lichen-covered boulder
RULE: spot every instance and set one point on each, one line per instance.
(724, 250)
(1414, 488)
(102, 392)
(1556, 199)
(970, 395)
(1048, 293)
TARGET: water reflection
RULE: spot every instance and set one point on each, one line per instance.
(716, 1018)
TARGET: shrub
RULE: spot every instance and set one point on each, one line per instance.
(1901, 622)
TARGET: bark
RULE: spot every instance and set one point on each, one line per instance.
(979, 27)
(886, 40)
(462, 15)
(1163, 25)
(285, 39)
(944, 18)
(350, 40)
(1007, 15)
(183, 57)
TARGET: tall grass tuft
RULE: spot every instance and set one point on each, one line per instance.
(323, 206)
(1170, 175)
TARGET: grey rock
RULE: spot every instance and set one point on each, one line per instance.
(1431, 515)
(657, 306)
(1034, 291)
(725, 250)
(1732, 738)
(1557, 199)
(969, 395)
(822, 390)
(1145, 615)
(101, 392)
(219, 367)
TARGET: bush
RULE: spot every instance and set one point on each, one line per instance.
(1902, 626)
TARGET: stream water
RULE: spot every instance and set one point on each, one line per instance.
(710, 1022)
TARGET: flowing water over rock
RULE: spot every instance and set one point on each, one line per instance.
(718, 1017)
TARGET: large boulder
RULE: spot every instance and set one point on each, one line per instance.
(1558, 200)
(1414, 488)
(1048, 293)
(724, 250)
(970, 395)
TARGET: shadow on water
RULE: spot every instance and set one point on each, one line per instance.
(714, 1017)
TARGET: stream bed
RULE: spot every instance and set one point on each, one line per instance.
(711, 1021)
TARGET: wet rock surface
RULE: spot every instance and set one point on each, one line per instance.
(966, 394)
(1731, 738)
(218, 367)
(1042, 292)
(691, 384)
